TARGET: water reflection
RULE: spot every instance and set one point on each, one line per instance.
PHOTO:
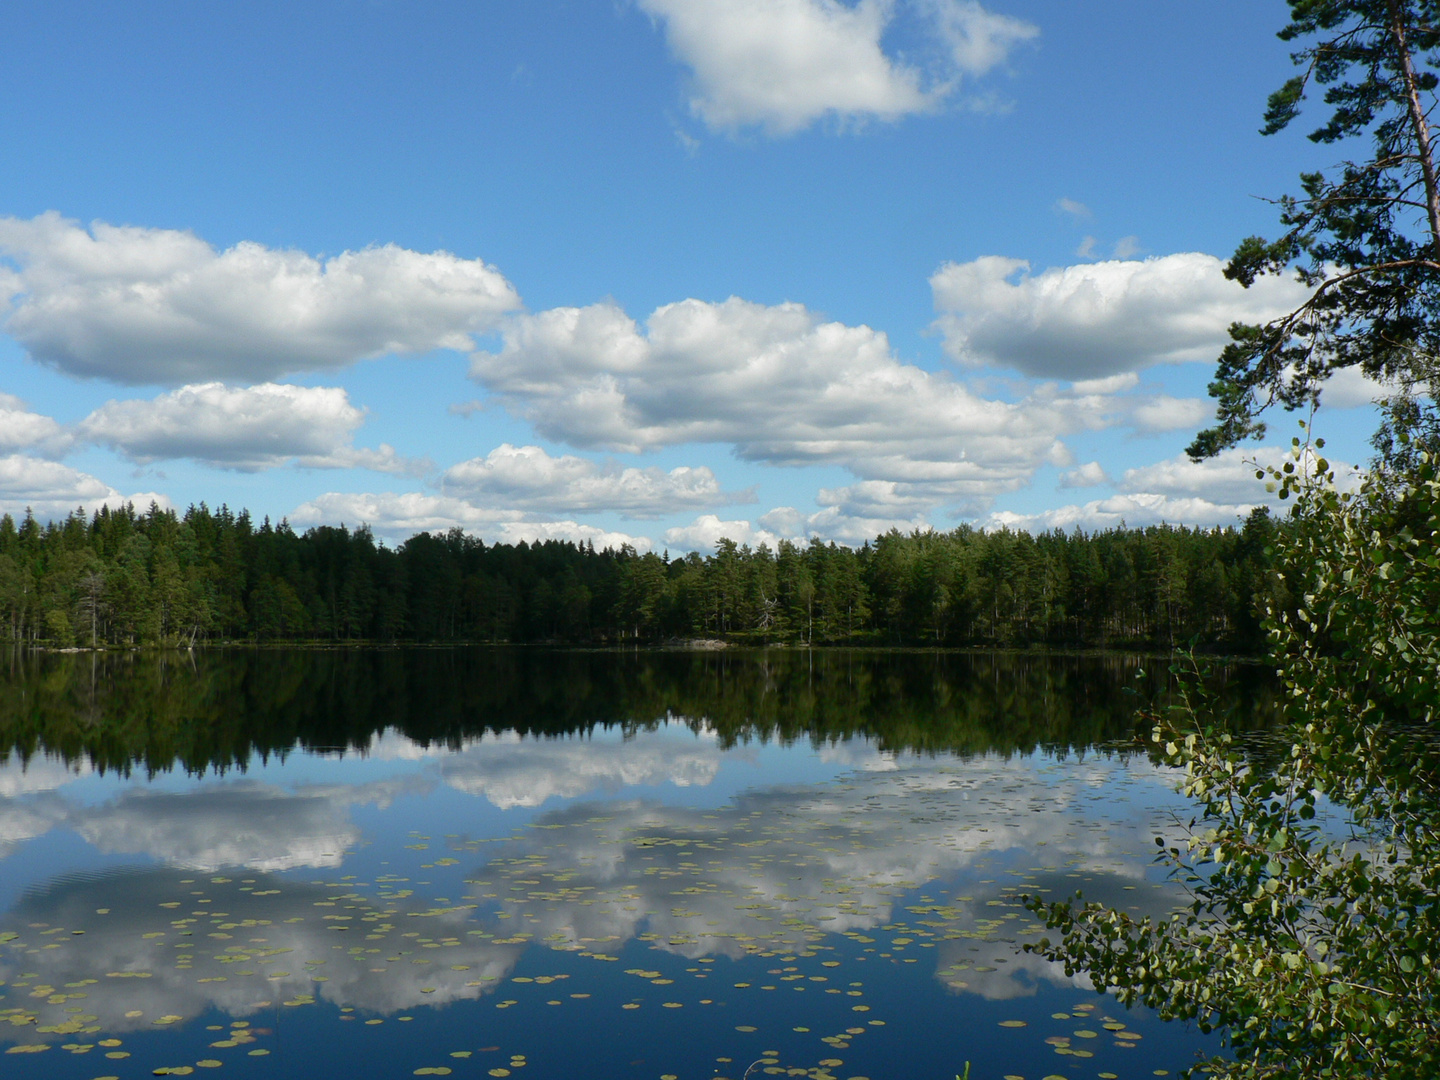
(776, 869)
(220, 709)
(510, 770)
(616, 850)
(154, 944)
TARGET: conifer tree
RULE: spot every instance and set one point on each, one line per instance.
(1364, 238)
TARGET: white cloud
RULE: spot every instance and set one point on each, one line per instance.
(784, 64)
(850, 515)
(1349, 388)
(21, 429)
(834, 523)
(1091, 474)
(1217, 491)
(1097, 319)
(1074, 208)
(249, 428)
(1166, 413)
(1110, 384)
(781, 386)
(1130, 510)
(396, 514)
(140, 305)
(51, 490)
(1127, 247)
(513, 532)
(526, 477)
(783, 521)
(707, 530)
(978, 40)
(401, 515)
(880, 499)
(1229, 477)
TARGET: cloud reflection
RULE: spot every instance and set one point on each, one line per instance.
(799, 867)
(152, 944)
(785, 867)
(512, 771)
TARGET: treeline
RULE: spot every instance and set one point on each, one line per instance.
(123, 578)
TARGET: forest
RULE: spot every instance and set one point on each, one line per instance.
(123, 578)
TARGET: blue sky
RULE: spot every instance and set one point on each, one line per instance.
(644, 270)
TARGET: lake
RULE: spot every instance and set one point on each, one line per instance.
(530, 863)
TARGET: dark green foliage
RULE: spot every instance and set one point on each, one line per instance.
(122, 578)
(221, 709)
(1314, 935)
(1364, 239)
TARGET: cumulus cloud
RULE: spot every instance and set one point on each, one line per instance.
(1350, 388)
(142, 305)
(1165, 413)
(1229, 477)
(784, 64)
(21, 429)
(780, 385)
(534, 532)
(395, 513)
(978, 40)
(707, 530)
(244, 428)
(834, 523)
(1091, 474)
(1097, 319)
(1130, 510)
(51, 489)
(853, 515)
(1217, 491)
(850, 515)
(401, 515)
(527, 478)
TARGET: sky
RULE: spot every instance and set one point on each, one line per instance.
(652, 272)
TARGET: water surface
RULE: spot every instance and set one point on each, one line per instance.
(498, 862)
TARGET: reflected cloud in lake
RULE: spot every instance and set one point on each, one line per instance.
(843, 873)
(779, 868)
(511, 771)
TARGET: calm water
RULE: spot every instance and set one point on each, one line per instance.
(481, 863)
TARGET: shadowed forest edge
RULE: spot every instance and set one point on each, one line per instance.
(123, 578)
